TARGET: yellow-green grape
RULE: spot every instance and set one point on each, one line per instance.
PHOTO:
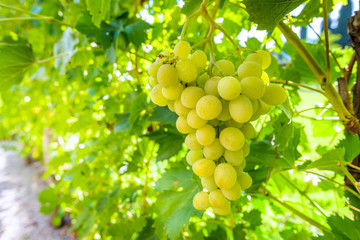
(153, 69)
(182, 49)
(202, 79)
(225, 114)
(208, 183)
(239, 169)
(199, 59)
(180, 109)
(233, 193)
(254, 57)
(213, 151)
(206, 135)
(217, 198)
(214, 122)
(224, 210)
(266, 58)
(167, 75)
(249, 69)
(232, 138)
(225, 176)
(248, 130)
(229, 88)
(233, 123)
(252, 87)
(187, 70)
(201, 201)
(194, 155)
(182, 125)
(241, 109)
(235, 158)
(153, 81)
(208, 107)
(265, 108)
(265, 78)
(162, 57)
(246, 149)
(255, 104)
(274, 94)
(157, 97)
(191, 142)
(226, 68)
(194, 120)
(211, 86)
(173, 92)
(256, 114)
(244, 180)
(191, 95)
(204, 167)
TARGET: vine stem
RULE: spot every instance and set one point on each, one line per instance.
(313, 108)
(299, 214)
(197, 12)
(297, 85)
(353, 166)
(38, 16)
(326, 30)
(349, 176)
(52, 58)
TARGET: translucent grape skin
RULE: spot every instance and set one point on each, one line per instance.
(194, 120)
(229, 88)
(241, 109)
(173, 92)
(248, 130)
(226, 68)
(274, 95)
(204, 167)
(217, 198)
(224, 210)
(211, 86)
(252, 87)
(206, 135)
(247, 69)
(191, 95)
(182, 125)
(233, 193)
(208, 107)
(225, 114)
(157, 97)
(199, 59)
(225, 176)
(180, 109)
(191, 142)
(167, 75)
(266, 58)
(214, 151)
(201, 201)
(235, 158)
(232, 138)
(193, 155)
(254, 57)
(187, 70)
(245, 181)
(182, 49)
(208, 183)
(202, 79)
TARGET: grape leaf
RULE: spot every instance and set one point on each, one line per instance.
(136, 32)
(65, 44)
(122, 123)
(174, 178)
(98, 10)
(268, 13)
(15, 59)
(163, 115)
(191, 6)
(341, 228)
(283, 131)
(329, 160)
(351, 143)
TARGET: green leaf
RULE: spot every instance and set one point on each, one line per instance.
(163, 115)
(136, 117)
(98, 10)
(329, 161)
(122, 123)
(126, 228)
(218, 234)
(342, 229)
(283, 131)
(15, 59)
(191, 6)
(49, 200)
(174, 178)
(351, 143)
(268, 13)
(253, 218)
(136, 32)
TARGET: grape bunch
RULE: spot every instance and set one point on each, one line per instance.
(216, 114)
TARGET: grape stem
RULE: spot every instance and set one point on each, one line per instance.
(297, 85)
(350, 176)
(326, 30)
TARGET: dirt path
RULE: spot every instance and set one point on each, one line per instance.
(19, 207)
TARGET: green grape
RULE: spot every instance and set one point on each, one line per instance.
(246, 149)
(208, 107)
(194, 120)
(167, 75)
(194, 155)
(153, 69)
(235, 158)
(157, 97)
(266, 58)
(201, 201)
(206, 135)
(204, 167)
(265, 108)
(199, 59)
(225, 114)
(233, 193)
(191, 142)
(211, 86)
(214, 151)
(241, 109)
(208, 183)
(153, 81)
(171, 106)
(182, 125)
(229, 88)
(182, 49)
(254, 57)
(232, 138)
(225, 176)
(244, 180)
(255, 104)
(248, 130)
(161, 58)
(191, 95)
(202, 79)
(226, 68)
(265, 78)
(256, 114)
(180, 109)
(274, 95)
(239, 169)
(224, 210)
(187, 70)
(173, 92)
(217, 198)
(252, 87)
(232, 123)
(249, 69)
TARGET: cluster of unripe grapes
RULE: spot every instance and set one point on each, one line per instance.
(215, 113)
